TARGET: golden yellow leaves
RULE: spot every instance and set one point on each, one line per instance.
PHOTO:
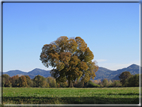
(83, 66)
(88, 55)
(65, 57)
(72, 45)
(74, 60)
(92, 66)
(61, 42)
(71, 58)
(60, 66)
(81, 44)
(54, 56)
(86, 78)
(23, 81)
(78, 72)
(45, 45)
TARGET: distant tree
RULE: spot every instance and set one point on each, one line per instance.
(133, 81)
(51, 81)
(6, 82)
(105, 82)
(22, 81)
(71, 59)
(109, 82)
(29, 81)
(116, 83)
(6, 76)
(14, 81)
(39, 81)
(96, 81)
(124, 76)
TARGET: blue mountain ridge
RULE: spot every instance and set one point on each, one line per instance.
(100, 74)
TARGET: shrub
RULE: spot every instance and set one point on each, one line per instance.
(91, 84)
(63, 84)
(51, 81)
(79, 84)
(105, 82)
(116, 83)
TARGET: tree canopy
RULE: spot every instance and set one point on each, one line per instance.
(124, 76)
(71, 59)
(39, 81)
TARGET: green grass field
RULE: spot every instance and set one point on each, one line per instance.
(71, 95)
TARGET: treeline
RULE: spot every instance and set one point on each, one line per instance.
(126, 80)
(26, 81)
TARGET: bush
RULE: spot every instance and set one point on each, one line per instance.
(63, 84)
(91, 84)
(79, 84)
(51, 81)
(97, 81)
(116, 83)
(105, 83)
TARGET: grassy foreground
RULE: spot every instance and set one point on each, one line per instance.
(71, 95)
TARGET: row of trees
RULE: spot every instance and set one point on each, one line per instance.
(126, 80)
(25, 81)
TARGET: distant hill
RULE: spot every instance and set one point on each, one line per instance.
(100, 74)
(38, 71)
(114, 75)
(14, 72)
(31, 74)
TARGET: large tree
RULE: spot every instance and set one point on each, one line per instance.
(71, 60)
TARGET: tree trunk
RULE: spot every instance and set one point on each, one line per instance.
(70, 84)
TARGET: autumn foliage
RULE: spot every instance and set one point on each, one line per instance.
(71, 60)
(50, 82)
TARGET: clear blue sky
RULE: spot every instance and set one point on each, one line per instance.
(111, 31)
